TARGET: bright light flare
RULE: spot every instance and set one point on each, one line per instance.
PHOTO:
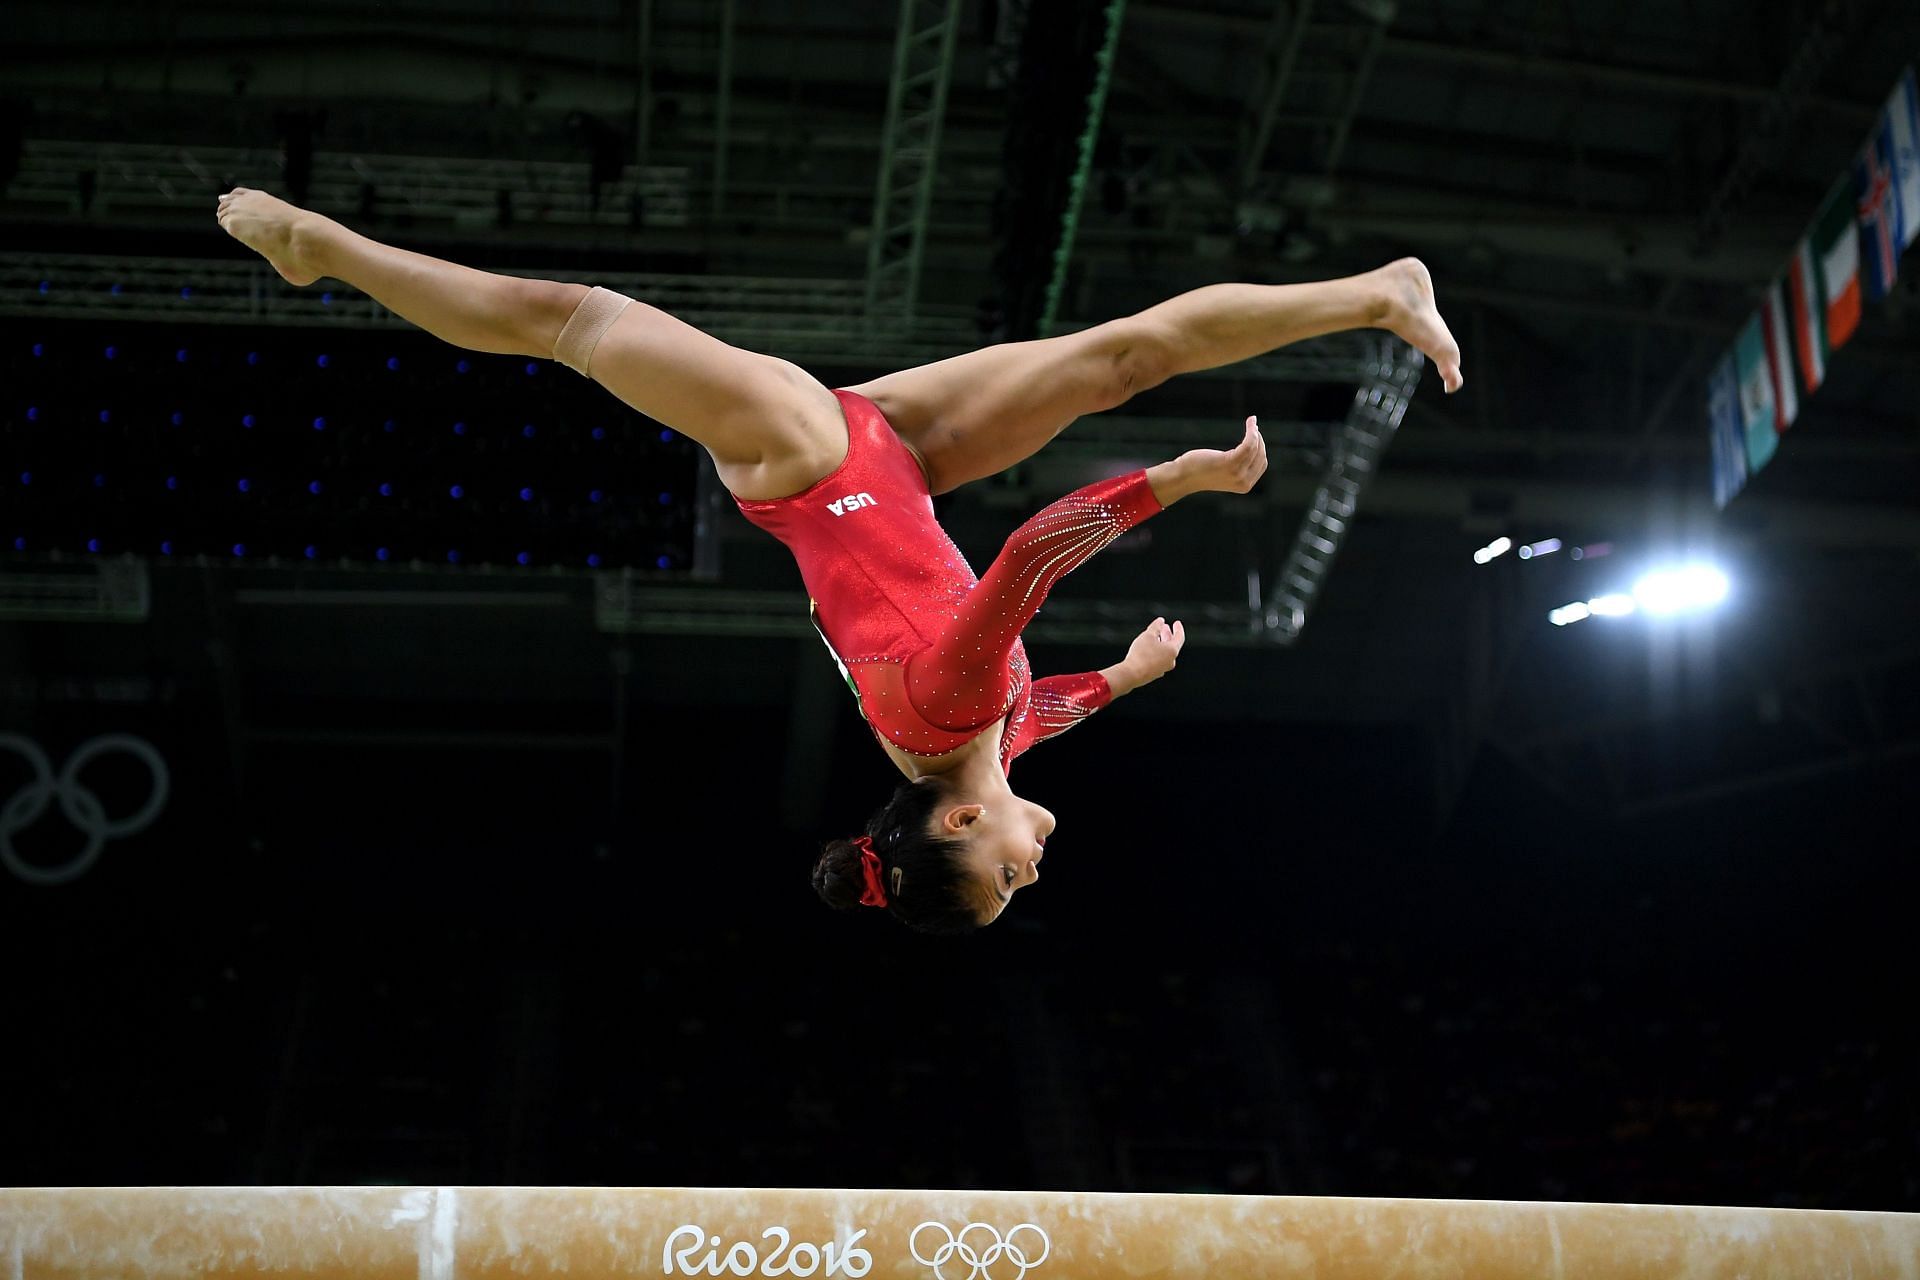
(1544, 547)
(1692, 586)
(1609, 606)
(1498, 547)
(1661, 593)
(1566, 613)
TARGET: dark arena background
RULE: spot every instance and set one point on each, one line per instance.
(411, 763)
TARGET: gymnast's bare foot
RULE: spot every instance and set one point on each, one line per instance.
(274, 229)
(1412, 315)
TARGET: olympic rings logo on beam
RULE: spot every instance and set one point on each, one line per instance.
(969, 1249)
(82, 807)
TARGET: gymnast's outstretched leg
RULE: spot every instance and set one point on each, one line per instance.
(771, 428)
(977, 414)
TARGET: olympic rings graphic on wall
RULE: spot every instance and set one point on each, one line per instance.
(82, 807)
(968, 1248)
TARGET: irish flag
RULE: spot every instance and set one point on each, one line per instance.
(1825, 281)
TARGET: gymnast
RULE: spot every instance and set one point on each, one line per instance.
(845, 479)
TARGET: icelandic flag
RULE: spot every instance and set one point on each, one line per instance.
(1886, 181)
(1903, 129)
(1723, 430)
(1880, 213)
(1756, 395)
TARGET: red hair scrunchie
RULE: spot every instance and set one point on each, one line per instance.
(876, 894)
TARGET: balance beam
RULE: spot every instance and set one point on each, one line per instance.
(481, 1233)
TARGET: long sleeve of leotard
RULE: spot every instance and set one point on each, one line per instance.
(962, 680)
(1059, 703)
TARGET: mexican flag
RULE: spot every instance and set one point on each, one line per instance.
(1825, 281)
(1756, 394)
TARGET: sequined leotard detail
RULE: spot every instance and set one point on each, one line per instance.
(932, 653)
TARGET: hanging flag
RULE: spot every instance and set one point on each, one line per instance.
(1903, 129)
(1723, 430)
(1836, 239)
(1886, 186)
(1809, 315)
(1756, 395)
(1878, 205)
(1773, 324)
(1865, 222)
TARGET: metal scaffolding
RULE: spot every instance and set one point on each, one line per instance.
(1298, 121)
(1378, 405)
(130, 179)
(800, 317)
(815, 318)
(631, 605)
(1103, 61)
(909, 156)
(544, 201)
(117, 589)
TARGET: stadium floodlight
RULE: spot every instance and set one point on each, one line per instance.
(1567, 613)
(1608, 606)
(1660, 593)
(1676, 590)
(1544, 547)
(1498, 547)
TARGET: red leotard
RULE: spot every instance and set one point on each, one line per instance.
(934, 655)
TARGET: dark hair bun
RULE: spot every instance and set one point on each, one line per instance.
(837, 877)
(930, 884)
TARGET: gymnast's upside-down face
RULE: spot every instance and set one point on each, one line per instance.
(1005, 844)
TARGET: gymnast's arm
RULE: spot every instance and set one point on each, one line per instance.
(960, 681)
(1061, 702)
(1150, 656)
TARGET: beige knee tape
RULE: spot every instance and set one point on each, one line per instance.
(584, 329)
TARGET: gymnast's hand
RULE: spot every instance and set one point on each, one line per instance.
(1212, 470)
(1150, 656)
